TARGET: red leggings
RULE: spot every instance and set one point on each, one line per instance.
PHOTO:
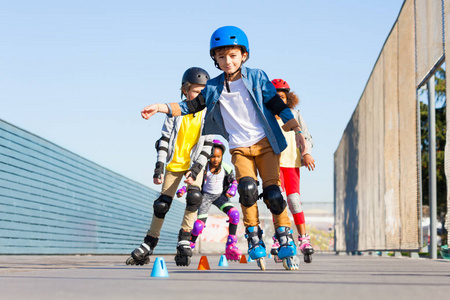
(291, 186)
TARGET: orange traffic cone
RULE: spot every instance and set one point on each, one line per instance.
(203, 264)
(243, 259)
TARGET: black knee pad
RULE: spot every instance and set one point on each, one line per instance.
(193, 198)
(273, 199)
(248, 191)
(161, 206)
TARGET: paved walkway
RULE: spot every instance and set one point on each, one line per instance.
(327, 277)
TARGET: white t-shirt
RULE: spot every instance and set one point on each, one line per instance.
(213, 183)
(240, 116)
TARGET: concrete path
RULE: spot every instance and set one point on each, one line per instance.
(327, 277)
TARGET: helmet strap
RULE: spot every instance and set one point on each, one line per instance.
(227, 76)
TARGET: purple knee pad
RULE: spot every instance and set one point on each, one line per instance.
(233, 215)
(198, 227)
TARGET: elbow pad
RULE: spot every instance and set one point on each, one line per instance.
(197, 104)
(276, 105)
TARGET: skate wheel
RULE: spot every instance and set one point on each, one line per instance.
(290, 264)
(261, 263)
(238, 258)
(130, 261)
(307, 258)
(182, 260)
(276, 259)
(144, 261)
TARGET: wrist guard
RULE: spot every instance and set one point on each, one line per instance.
(232, 189)
(181, 191)
(159, 170)
(195, 169)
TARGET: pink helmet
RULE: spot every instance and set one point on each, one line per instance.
(219, 144)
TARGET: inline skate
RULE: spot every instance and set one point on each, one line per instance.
(288, 250)
(305, 247)
(274, 250)
(184, 250)
(256, 247)
(141, 255)
(232, 252)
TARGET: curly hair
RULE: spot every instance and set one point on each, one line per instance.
(292, 99)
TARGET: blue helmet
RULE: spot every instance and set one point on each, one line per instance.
(228, 36)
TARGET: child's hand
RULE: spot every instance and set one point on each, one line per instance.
(181, 192)
(189, 180)
(150, 110)
(309, 162)
(232, 190)
(157, 180)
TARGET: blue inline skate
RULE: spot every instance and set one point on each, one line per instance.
(256, 247)
(288, 250)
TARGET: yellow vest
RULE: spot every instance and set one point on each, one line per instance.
(187, 138)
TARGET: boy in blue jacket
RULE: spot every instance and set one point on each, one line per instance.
(241, 106)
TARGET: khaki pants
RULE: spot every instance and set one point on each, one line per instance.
(169, 188)
(260, 158)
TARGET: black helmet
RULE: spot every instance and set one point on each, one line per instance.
(195, 75)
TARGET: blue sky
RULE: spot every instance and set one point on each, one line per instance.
(78, 73)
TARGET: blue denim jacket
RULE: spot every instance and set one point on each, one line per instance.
(261, 91)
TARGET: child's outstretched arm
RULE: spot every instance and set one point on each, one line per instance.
(175, 109)
(150, 110)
